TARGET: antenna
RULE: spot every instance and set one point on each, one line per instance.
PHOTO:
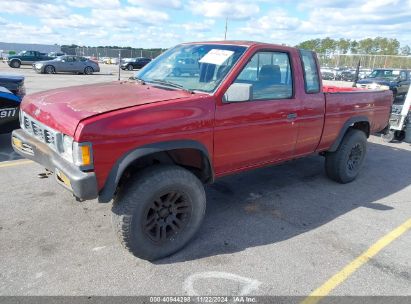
(225, 33)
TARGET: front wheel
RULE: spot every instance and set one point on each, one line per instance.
(159, 211)
(130, 67)
(49, 69)
(344, 164)
(88, 70)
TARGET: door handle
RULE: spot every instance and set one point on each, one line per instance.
(292, 116)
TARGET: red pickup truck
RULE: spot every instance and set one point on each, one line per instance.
(150, 143)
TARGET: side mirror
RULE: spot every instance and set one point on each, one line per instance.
(239, 92)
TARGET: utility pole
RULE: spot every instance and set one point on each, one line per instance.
(119, 63)
(225, 32)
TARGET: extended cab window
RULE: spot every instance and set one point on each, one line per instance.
(269, 73)
(311, 79)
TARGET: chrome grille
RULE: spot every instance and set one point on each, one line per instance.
(49, 137)
(37, 130)
(41, 132)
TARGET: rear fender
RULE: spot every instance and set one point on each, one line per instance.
(347, 125)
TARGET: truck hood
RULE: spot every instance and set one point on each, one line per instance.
(62, 109)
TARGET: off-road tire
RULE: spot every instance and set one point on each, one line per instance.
(134, 203)
(344, 164)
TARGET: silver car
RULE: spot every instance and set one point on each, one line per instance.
(67, 63)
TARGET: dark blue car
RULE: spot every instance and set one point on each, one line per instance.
(12, 91)
(9, 111)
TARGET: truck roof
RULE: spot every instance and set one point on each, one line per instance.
(245, 43)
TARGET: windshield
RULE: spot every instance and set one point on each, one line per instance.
(388, 74)
(194, 67)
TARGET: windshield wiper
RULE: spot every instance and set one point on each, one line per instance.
(139, 80)
(170, 84)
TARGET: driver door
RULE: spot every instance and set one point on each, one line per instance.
(263, 129)
(68, 64)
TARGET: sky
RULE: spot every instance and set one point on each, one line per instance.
(164, 23)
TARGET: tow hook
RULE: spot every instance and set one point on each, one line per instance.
(45, 174)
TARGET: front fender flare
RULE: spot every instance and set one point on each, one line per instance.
(110, 186)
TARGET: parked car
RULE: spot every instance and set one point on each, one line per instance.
(397, 80)
(186, 66)
(364, 73)
(67, 63)
(134, 63)
(327, 75)
(13, 83)
(26, 58)
(150, 144)
(347, 75)
(9, 110)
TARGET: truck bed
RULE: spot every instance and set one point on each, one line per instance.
(343, 103)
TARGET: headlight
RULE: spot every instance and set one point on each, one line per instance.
(67, 148)
(79, 154)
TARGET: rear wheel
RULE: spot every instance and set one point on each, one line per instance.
(49, 69)
(88, 70)
(159, 211)
(344, 164)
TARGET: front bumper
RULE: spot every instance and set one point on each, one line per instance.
(83, 185)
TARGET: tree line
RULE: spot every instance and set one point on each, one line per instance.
(369, 46)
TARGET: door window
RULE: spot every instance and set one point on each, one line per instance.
(269, 73)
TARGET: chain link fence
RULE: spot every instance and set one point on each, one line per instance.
(112, 52)
(367, 61)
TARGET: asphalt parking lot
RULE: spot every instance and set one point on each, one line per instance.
(282, 230)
